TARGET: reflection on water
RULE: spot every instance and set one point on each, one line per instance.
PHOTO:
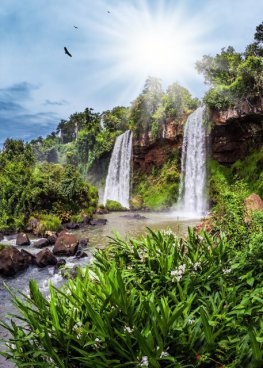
(98, 237)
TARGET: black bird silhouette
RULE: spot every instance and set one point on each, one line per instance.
(76, 27)
(108, 11)
(67, 52)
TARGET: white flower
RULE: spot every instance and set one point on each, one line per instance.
(97, 339)
(196, 265)
(164, 354)
(174, 273)
(144, 362)
(191, 321)
(128, 329)
(226, 271)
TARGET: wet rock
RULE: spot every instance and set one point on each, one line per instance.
(98, 222)
(83, 242)
(45, 258)
(86, 220)
(22, 239)
(30, 258)
(72, 226)
(63, 232)
(80, 253)
(66, 245)
(60, 263)
(1, 236)
(52, 239)
(41, 243)
(12, 261)
(135, 216)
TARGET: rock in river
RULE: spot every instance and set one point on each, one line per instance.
(66, 245)
(22, 239)
(12, 261)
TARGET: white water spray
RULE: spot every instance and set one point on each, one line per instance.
(118, 179)
(192, 200)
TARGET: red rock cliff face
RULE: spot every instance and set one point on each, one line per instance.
(237, 132)
(148, 153)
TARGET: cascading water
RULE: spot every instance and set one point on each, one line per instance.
(118, 179)
(192, 192)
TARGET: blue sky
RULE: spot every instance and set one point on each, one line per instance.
(39, 84)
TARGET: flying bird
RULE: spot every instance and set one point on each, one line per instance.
(108, 11)
(76, 27)
(67, 52)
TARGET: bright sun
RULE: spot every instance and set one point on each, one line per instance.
(138, 40)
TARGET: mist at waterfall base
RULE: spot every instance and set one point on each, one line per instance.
(119, 173)
(192, 202)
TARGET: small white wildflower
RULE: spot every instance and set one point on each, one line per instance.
(97, 339)
(191, 321)
(164, 354)
(144, 362)
(128, 329)
(226, 271)
(174, 273)
(196, 265)
(178, 278)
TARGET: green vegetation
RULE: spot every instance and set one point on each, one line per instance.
(235, 77)
(156, 302)
(159, 190)
(114, 206)
(153, 107)
(41, 190)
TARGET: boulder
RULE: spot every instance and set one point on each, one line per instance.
(45, 258)
(253, 203)
(12, 261)
(41, 243)
(81, 254)
(22, 239)
(98, 222)
(72, 226)
(52, 239)
(66, 245)
(30, 258)
(1, 236)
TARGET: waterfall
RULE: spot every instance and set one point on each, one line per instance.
(118, 179)
(192, 200)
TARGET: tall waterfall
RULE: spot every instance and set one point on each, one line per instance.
(192, 192)
(118, 179)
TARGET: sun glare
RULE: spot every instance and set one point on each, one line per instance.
(138, 41)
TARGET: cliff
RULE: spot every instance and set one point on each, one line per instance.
(149, 153)
(234, 134)
(237, 132)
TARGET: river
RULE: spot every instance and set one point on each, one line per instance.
(98, 238)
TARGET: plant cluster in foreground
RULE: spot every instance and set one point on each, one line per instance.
(157, 302)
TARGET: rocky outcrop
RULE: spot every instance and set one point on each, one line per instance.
(148, 153)
(22, 239)
(236, 132)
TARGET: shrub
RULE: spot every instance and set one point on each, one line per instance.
(114, 206)
(47, 222)
(156, 302)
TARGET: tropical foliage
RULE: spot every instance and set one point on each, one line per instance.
(156, 302)
(28, 189)
(235, 77)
